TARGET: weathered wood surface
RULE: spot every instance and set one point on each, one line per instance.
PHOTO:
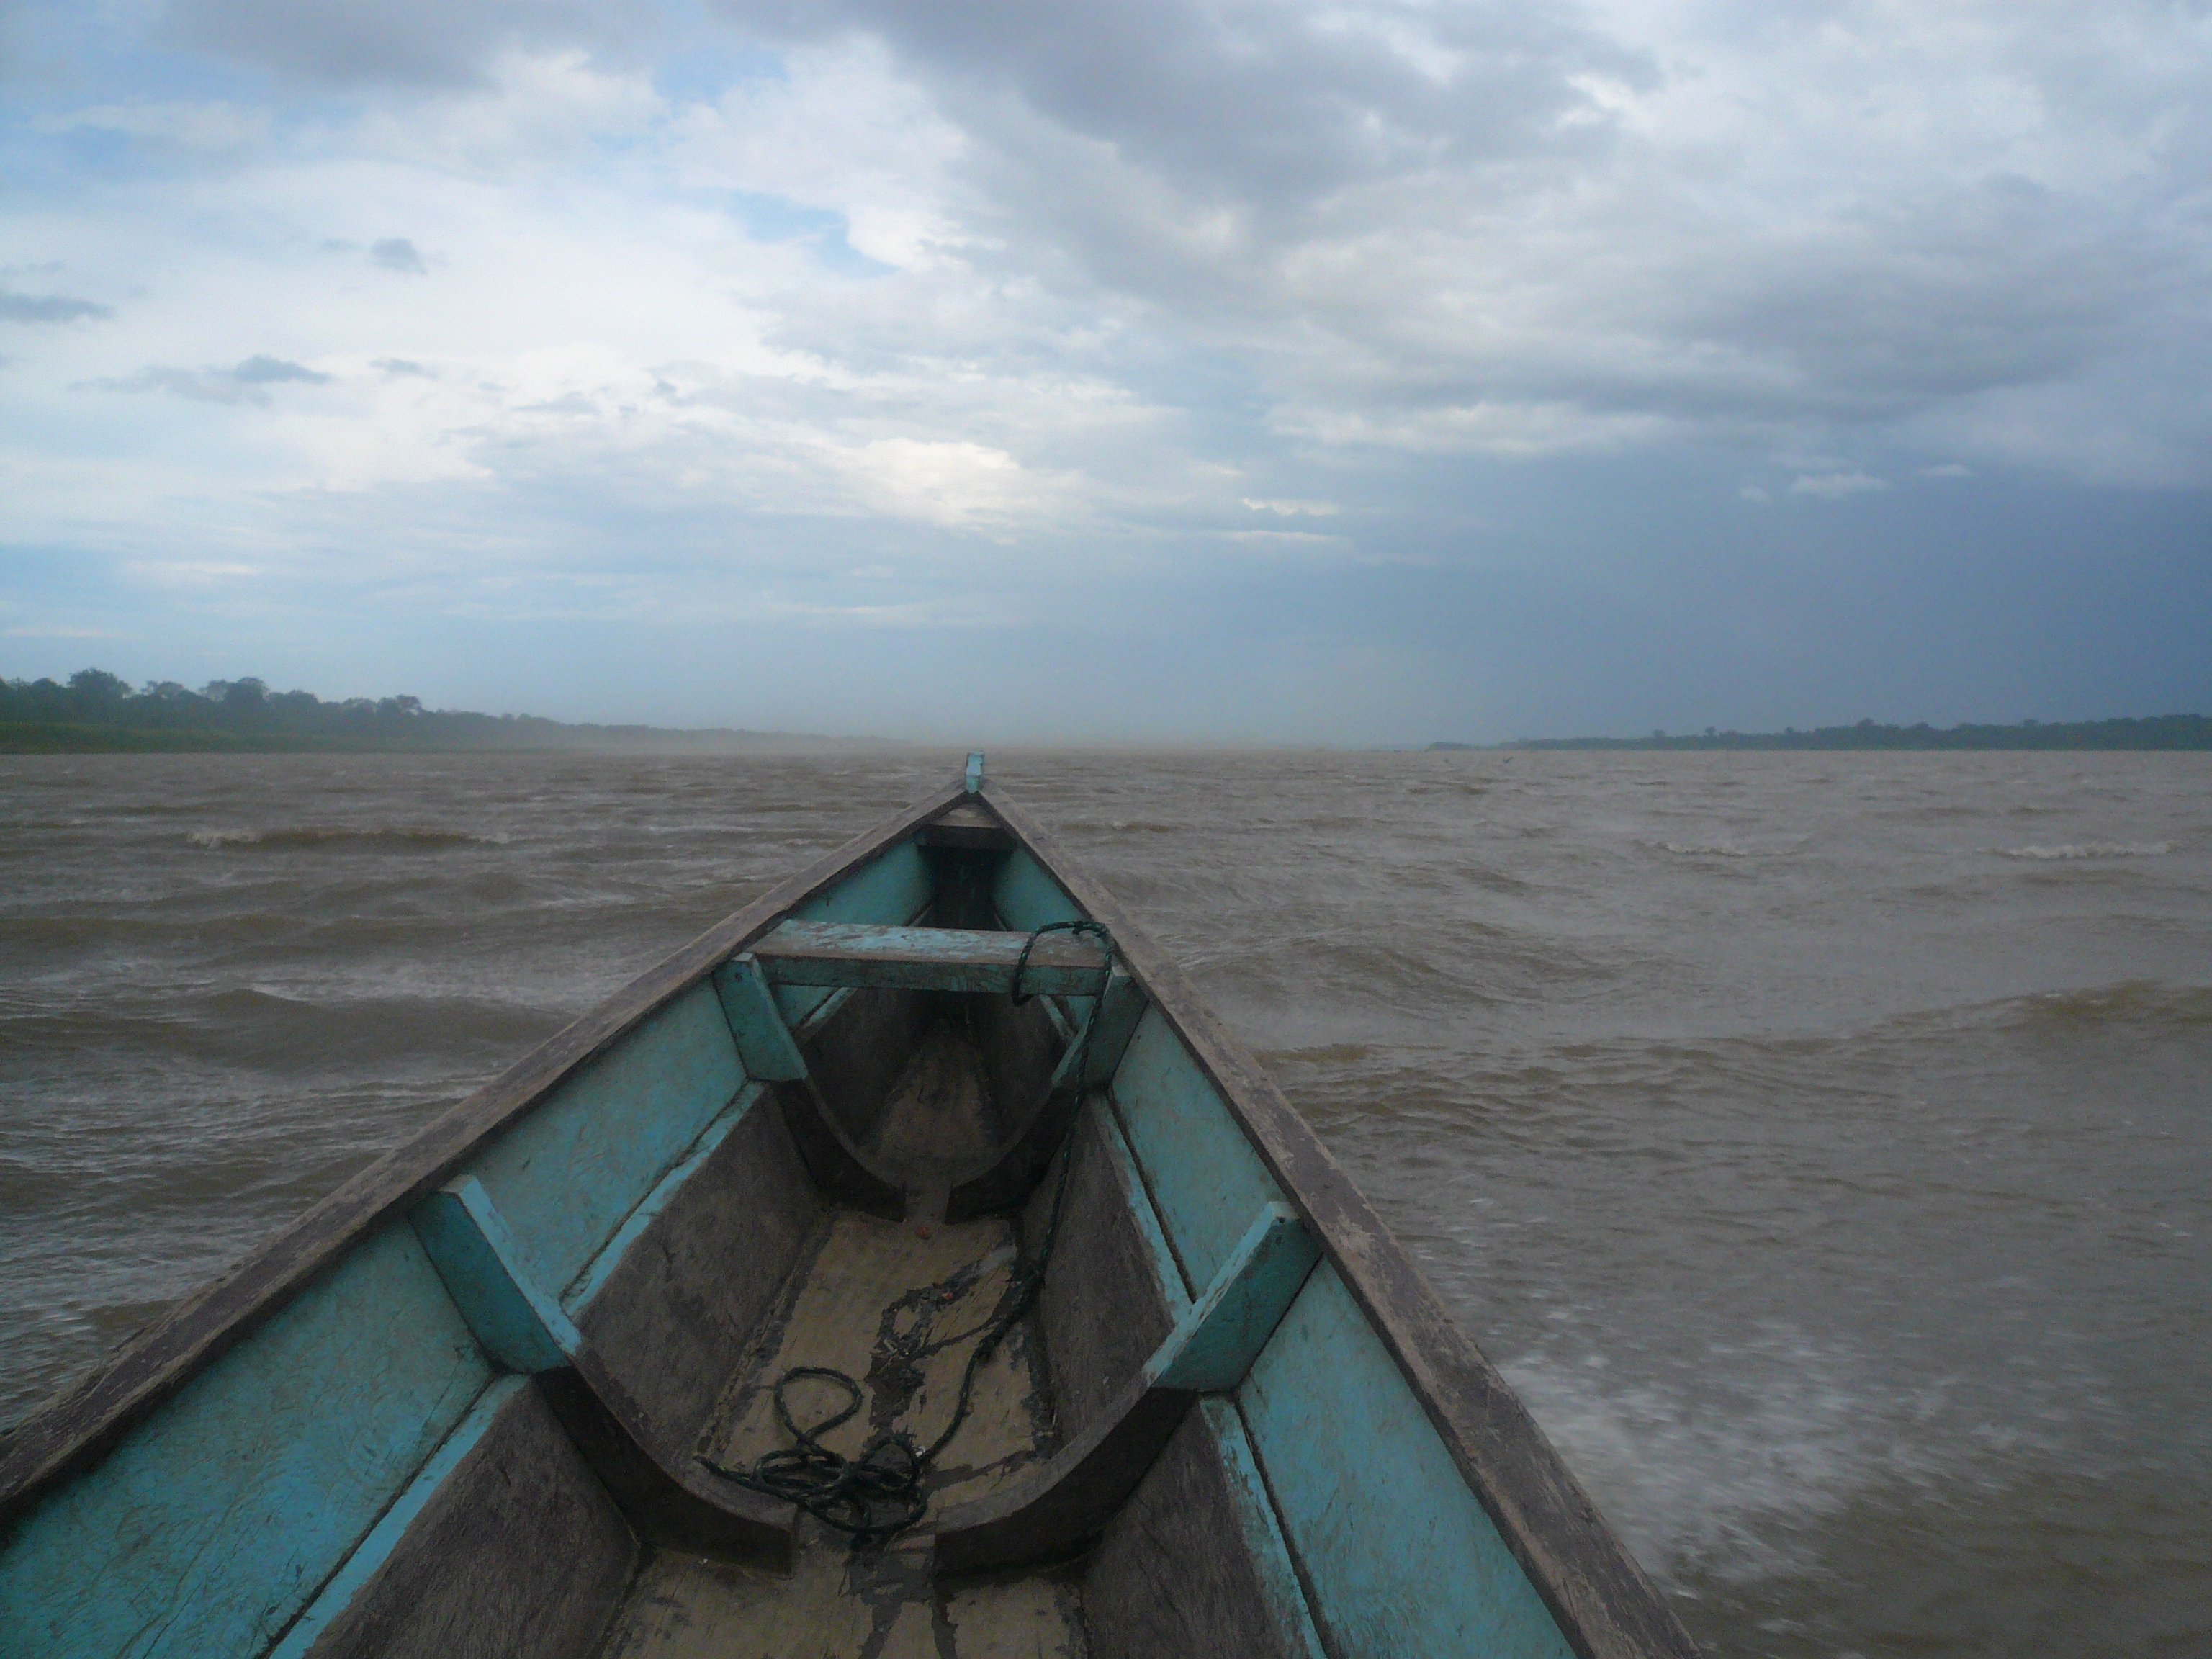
(1402, 1560)
(837, 953)
(1039, 1125)
(510, 1549)
(1052, 1511)
(207, 1531)
(689, 1286)
(857, 1054)
(1193, 1562)
(664, 1493)
(1603, 1602)
(969, 827)
(76, 1429)
(1109, 1256)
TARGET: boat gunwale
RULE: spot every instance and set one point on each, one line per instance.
(79, 1427)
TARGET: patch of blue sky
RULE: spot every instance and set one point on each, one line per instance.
(778, 219)
(702, 72)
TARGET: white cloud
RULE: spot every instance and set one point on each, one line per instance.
(1835, 486)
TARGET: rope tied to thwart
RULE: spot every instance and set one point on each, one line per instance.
(875, 1496)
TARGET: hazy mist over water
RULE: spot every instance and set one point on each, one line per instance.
(1823, 1143)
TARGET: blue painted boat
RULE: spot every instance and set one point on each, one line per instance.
(914, 1264)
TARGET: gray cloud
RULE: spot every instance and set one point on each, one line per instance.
(246, 383)
(1831, 227)
(49, 308)
(1267, 104)
(429, 43)
(397, 253)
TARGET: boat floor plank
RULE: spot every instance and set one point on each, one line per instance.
(899, 1313)
(838, 1605)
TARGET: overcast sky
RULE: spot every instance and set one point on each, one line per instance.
(1348, 370)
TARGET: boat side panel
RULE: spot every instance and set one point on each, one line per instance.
(517, 1550)
(894, 888)
(1108, 1260)
(1195, 1563)
(567, 1175)
(857, 1053)
(207, 1530)
(673, 1316)
(1027, 897)
(1207, 1182)
(1402, 1557)
(1019, 1048)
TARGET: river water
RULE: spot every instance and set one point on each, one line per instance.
(1822, 1143)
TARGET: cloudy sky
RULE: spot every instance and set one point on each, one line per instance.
(1348, 370)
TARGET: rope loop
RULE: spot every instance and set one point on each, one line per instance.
(1080, 926)
(874, 1497)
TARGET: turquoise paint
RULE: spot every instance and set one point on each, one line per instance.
(1217, 1338)
(585, 1290)
(1263, 1533)
(1026, 896)
(383, 1538)
(1206, 1179)
(1165, 1270)
(1400, 1555)
(211, 1526)
(765, 1047)
(566, 1175)
(1113, 1019)
(975, 778)
(896, 886)
(518, 1325)
(880, 956)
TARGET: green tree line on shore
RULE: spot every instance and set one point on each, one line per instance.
(95, 710)
(2154, 731)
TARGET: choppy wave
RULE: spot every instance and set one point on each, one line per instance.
(1708, 850)
(2090, 849)
(397, 838)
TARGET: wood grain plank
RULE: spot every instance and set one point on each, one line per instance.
(928, 958)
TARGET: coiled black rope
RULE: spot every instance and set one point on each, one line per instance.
(876, 1496)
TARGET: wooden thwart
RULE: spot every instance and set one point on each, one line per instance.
(1068, 1501)
(838, 953)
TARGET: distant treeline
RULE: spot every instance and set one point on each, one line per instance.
(97, 711)
(2157, 732)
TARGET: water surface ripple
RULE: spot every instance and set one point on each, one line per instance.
(1822, 1143)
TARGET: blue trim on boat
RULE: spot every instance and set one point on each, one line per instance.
(385, 1536)
(589, 1284)
(469, 1244)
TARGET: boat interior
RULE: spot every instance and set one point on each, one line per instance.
(862, 1208)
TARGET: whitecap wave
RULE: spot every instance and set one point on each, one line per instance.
(394, 838)
(2090, 849)
(1707, 849)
